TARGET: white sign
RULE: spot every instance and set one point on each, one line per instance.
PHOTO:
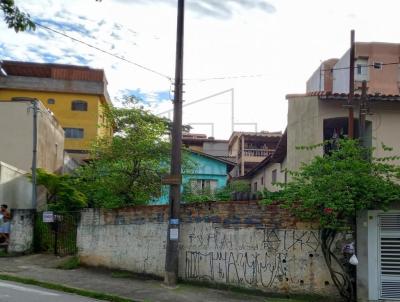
(173, 234)
(48, 216)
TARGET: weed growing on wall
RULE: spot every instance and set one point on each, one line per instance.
(332, 188)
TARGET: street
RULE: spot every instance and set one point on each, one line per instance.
(14, 292)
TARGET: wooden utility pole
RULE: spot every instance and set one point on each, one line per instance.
(363, 112)
(351, 87)
(172, 252)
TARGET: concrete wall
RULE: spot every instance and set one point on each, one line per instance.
(15, 187)
(305, 128)
(341, 74)
(306, 116)
(16, 137)
(266, 174)
(21, 232)
(237, 243)
(216, 148)
(88, 120)
(384, 81)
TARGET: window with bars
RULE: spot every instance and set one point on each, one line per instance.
(73, 132)
(79, 105)
(203, 185)
(274, 176)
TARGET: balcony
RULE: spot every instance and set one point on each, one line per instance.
(257, 152)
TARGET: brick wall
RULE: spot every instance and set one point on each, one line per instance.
(240, 243)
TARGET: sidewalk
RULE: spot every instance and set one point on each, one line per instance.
(42, 268)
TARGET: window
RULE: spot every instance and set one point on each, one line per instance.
(202, 185)
(73, 132)
(361, 71)
(262, 180)
(273, 176)
(378, 65)
(51, 101)
(79, 106)
(255, 187)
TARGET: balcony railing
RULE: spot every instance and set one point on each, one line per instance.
(257, 152)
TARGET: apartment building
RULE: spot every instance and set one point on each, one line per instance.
(77, 95)
(375, 62)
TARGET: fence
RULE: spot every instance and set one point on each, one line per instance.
(59, 236)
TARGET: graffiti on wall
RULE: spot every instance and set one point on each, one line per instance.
(252, 257)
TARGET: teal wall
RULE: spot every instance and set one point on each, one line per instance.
(205, 168)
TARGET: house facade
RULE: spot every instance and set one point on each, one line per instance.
(314, 118)
(250, 148)
(16, 137)
(209, 173)
(375, 62)
(77, 96)
(208, 145)
(270, 171)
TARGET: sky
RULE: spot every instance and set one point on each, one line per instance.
(253, 52)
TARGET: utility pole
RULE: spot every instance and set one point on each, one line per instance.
(172, 252)
(351, 87)
(34, 152)
(363, 112)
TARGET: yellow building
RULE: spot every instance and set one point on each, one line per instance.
(77, 96)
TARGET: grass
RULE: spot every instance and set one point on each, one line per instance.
(70, 263)
(269, 297)
(66, 289)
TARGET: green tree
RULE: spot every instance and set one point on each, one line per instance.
(332, 188)
(14, 18)
(127, 168)
(62, 196)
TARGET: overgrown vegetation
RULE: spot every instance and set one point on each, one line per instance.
(331, 189)
(70, 263)
(61, 196)
(226, 193)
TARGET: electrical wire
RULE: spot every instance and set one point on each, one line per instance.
(104, 51)
(362, 66)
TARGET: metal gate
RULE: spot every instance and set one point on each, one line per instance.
(389, 256)
(59, 236)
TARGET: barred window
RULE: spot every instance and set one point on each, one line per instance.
(79, 105)
(73, 132)
(203, 185)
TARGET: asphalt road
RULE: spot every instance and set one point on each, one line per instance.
(16, 292)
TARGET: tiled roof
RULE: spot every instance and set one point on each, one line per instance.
(327, 95)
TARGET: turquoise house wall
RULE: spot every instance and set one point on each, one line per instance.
(205, 168)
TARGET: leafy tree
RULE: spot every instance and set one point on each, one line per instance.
(332, 188)
(127, 168)
(61, 193)
(14, 18)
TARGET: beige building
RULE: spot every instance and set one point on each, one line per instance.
(15, 187)
(375, 62)
(315, 118)
(250, 148)
(16, 137)
(270, 171)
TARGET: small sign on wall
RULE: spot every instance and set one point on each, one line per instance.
(173, 234)
(48, 216)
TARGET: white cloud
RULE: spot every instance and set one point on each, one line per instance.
(282, 40)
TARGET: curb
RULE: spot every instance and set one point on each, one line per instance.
(64, 288)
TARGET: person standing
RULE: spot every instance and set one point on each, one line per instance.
(5, 225)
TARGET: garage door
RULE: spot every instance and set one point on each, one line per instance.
(389, 256)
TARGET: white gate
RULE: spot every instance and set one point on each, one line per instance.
(389, 256)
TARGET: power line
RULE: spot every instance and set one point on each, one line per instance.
(362, 66)
(104, 51)
(227, 77)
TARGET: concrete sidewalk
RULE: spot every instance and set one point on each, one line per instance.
(43, 268)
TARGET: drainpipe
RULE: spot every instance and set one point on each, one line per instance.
(34, 153)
